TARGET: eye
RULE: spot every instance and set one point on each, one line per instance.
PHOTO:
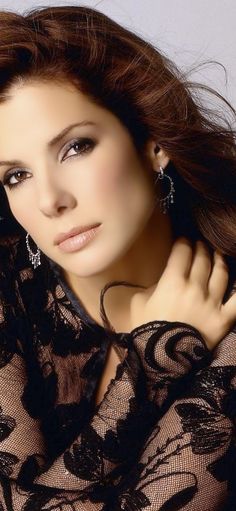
(82, 145)
(8, 179)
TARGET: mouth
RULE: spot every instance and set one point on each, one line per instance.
(75, 242)
(73, 232)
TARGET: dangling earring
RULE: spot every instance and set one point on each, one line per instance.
(165, 202)
(34, 258)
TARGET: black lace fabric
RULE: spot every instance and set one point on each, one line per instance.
(161, 439)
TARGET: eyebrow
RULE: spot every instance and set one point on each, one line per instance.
(54, 140)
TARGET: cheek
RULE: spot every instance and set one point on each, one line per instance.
(20, 209)
(114, 182)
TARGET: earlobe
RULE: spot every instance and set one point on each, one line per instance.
(158, 155)
(162, 159)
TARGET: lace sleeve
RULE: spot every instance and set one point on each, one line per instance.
(22, 450)
(81, 478)
(75, 480)
(188, 460)
(23, 453)
(170, 353)
(184, 462)
(118, 462)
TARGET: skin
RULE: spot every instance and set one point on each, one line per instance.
(109, 184)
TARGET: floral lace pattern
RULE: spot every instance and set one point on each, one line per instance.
(163, 436)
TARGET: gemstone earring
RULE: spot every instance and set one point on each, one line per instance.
(34, 258)
(165, 202)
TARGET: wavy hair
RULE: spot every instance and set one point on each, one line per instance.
(132, 78)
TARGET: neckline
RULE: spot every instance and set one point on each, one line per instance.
(122, 337)
(71, 295)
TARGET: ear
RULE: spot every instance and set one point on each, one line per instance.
(157, 157)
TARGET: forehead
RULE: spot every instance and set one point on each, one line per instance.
(39, 110)
(36, 112)
(44, 97)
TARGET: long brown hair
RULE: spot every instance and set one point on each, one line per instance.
(131, 77)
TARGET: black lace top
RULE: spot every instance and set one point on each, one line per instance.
(163, 436)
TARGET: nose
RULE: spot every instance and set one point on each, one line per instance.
(53, 198)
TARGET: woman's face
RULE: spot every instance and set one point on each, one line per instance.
(91, 175)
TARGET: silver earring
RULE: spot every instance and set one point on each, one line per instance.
(165, 202)
(34, 258)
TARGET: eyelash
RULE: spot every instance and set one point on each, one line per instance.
(79, 142)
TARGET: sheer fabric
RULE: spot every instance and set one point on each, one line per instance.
(162, 438)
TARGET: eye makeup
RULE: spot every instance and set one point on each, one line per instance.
(83, 145)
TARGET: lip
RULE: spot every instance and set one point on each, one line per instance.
(73, 232)
(79, 241)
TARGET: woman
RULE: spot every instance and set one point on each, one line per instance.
(135, 411)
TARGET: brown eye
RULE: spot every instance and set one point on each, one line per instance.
(17, 176)
(80, 146)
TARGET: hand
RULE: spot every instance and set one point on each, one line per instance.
(190, 290)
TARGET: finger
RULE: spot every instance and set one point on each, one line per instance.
(180, 258)
(219, 278)
(201, 265)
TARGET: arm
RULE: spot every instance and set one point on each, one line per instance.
(170, 354)
(27, 474)
(189, 459)
(23, 453)
(176, 459)
(22, 449)
(82, 473)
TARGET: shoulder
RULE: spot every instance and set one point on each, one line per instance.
(10, 310)
(24, 292)
(9, 248)
(14, 261)
(19, 282)
(15, 273)
(7, 264)
(22, 297)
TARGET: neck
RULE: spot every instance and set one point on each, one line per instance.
(142, 265)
